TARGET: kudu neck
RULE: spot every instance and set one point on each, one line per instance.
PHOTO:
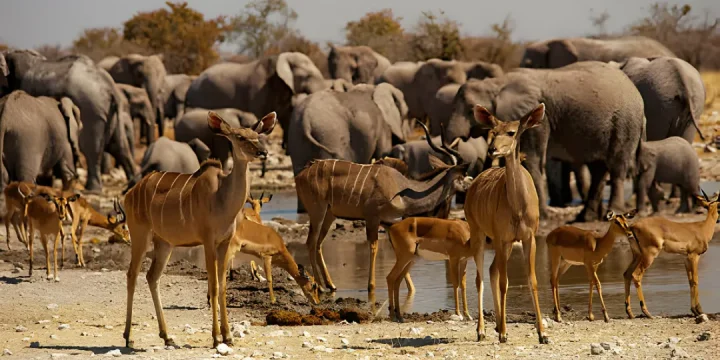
(424, 196)
(516, 184)
(234, 188)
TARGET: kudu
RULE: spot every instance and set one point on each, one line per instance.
(502, 204)
(173, 209)
(376, 193)
(569, 245)
(655, 234)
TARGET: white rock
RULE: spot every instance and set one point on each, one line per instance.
(20, 328)
(319, 348)
(345, 342)
(606, 345)
(416, 331)
(679, 353)
(7, 352)
(53, 336)
(26, 339)
(42, 321)
(188, 329)
(269, 343)
(321, 339)
(307, 345)
(223, 349)
(596, 349)
(278, 333)
(306, 334)
(64, 326)
(704, 336)
(701, 318)
(429, 354)
(115, 353)
(673, 340)
(57, 355)
(52, 306)
(616, 351)
(256, 353)
(456, 317)
(278, 355)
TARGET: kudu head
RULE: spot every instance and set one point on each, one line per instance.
(504, 136)
(308, 285)
(710, 203)
(246, 145)
(117, 220)
(621, 220)
(457, 167)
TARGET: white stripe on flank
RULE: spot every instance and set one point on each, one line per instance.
(191, 198)
(355, 183)
(152, 225)
(182, 217)
(162, 208)
(332, 177)
(347, 177)
(362, 187)
(148, 203)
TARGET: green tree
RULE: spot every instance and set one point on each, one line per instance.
(180, 33)
(436, 36)
(261, 25)
(379, 30)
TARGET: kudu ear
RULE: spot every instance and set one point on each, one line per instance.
(73, 198)
(610, 215)
(533, 118)
(484, 117)
(266, 124)
(631, 214)
(217, 124)
(435, 162)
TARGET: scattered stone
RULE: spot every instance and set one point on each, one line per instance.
(52, 306)
(26, 339)
(223, 349)
(57, 356)
(606, 345)
(456, 317)
(56, 317)
(306, 334)
(109, 327)
(20, 328)
(42, 321)
(16, 270)
(53, 336)
(307, 345)
(430, 322)
(64, 326)
(188, 329)
(429, 354)
(701, 318)
(321, 339)
(319, 348)
(416, 331)
(596, 349)
(241, 329)
(345, 342)
(7, 352)
(84, 334)
(616, 351)
(114, 353)
(679, 353)
(279, 333)
(256, 354)
(278, 355)
(705, 336)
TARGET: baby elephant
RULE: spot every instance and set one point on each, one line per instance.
(172, 156)
(671, 161)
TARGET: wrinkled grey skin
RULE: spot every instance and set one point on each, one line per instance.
(415, 155)
(421, 81)
(259, 87)
(356, 64)
(149, 73)
(442, 106)
(673, 93)
(669, 161)
(91, 89)
(357, 126)
(341, 85)
(193, 125)
(555, 53)
(39, 136)
(172, 156)
(139, 106)
(176, 87)
(580, 124)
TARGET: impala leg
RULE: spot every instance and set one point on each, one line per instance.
(139, 248)
(371, 228)
(628, 275)
(225, 253)
(212, 271)
(83, 226)
(58, 238)
(324, 229)
(161, 255)
(463, 287)
(598, 286)
(31, 240)
(410, 285)
(44, 242)
(396, 287)
(267, 260)
(529, 249)
(691, 265)
(453, 269)
(391, 278)
(477, 240)
(74, 238)
(645, 263)
(9, 215)
(62, 247)
(555, 262)
(591, 280)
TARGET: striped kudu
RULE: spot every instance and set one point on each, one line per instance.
(376, 193)
(173, 209)
(502, 204)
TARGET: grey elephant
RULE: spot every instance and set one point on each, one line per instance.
(259, 87)
(421, 81)
(139, 106)
(39, 136)
(357, 125)
(580, 126)
(193, 125)
(147, 72)
(669, 161)
(557, 53)
(341, 85)
(356, 64)
(90, 88)
(176, 87)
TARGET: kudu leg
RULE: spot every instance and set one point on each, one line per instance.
(371, 229)
(500, 288)
(324, 229)
(212, 272)
(529, 250)
(161, 254)
(139, 248)
(691, 265)
(8, 215)
(225, 253)
(477, 240)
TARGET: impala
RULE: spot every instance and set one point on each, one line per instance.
(84, 214)
(17, 197)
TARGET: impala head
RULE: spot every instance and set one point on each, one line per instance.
(246, 144)
(710, 203)
(258, 203)
(308, 285)
(117, 220)
(504, 135)
(622, 221)
(61, 203)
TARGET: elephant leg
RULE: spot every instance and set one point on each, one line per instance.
(655, 193)
(555, 178)
(675, 192)
(582, 180)
(120, 150)
(593, 203)
(685, 205)
(642, 185)
(106, 164)
(92, 143)
(534, 166)
(618, 174)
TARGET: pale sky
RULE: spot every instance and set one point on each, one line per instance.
(31, 23)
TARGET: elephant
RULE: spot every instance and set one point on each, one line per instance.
(357, 125)
(107, 62)
(472, 151)
(671, 161)
(91, 89)
(149, 73)
(176, 87)
(557, 53)
(172, 156)
(193, 125)
(421, 81)
(341, 85)
(600, 123)
(139, 107)
(259, 87)
(39, 136)
(356, 64)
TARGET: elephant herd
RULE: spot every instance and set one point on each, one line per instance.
(608, 105)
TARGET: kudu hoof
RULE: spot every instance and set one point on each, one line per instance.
(544, 339)
(503, 338)
(480, 336)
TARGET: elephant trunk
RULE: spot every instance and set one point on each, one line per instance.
(154, 86)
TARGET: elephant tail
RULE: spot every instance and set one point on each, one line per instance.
(308, 135)
(635, 171)
(3, 128)
(693, 104)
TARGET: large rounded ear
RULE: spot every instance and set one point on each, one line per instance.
(561, 53)
(391, 102)
(366, 64)
(517, 97)
(435, 162)
(284, 71)
(533, 118)
(484, 117)
(217, 124)
(610, 215)
(266, 124)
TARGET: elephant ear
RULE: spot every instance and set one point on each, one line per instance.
(561, 53)
(4, 71)
(366, 64)
(284, 71)
(392, 105)
(517, 98)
